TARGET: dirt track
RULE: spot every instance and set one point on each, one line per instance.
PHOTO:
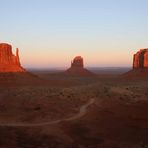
(82, 112)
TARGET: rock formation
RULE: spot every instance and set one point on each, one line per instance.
(140, 59)
(140, 66)
(77, 62)
(8, 61)
(77, 68)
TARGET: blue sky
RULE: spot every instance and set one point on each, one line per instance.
(50, 33)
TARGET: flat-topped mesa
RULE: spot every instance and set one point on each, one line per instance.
(77, 62)
(140, 59)
(8, 61)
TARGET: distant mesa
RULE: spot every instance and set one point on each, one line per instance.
(77, 68)
(77, 62)
(140, 65)
(140, 59)
(8, 61)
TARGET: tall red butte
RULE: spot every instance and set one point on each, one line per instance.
(8, 61)
(140, 59)
(140, 65)
(77, 68)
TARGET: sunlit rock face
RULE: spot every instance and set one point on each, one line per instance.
(140, 59)
(8, 61)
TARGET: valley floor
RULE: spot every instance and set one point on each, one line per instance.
(101, 112)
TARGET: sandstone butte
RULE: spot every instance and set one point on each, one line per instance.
(140, 59)
(8, 61)
(140, 65)
(77, 68)
(77, 62)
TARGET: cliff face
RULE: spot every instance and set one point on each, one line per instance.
(8, 61)
(77, 68)
(77, 62)
(140, 59)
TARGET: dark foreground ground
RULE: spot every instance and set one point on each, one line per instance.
(116, 119)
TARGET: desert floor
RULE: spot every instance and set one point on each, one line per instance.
(57, 111)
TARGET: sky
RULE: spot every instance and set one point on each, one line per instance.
(50, 33)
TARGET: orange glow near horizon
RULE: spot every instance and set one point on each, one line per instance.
(52, 33)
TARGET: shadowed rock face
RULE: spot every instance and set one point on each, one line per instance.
(140, 59)
(77, 68)
(8, 61)
(77, 62)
